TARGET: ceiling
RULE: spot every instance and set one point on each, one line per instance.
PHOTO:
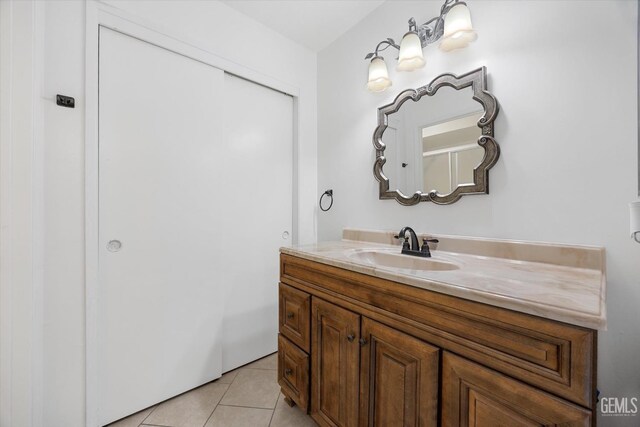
(312, 23)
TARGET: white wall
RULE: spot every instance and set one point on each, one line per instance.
(214, 27)
(565, 77)
(20, 221)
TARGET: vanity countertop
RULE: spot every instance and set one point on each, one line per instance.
(559, 282)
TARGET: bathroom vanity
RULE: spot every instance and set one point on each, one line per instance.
(484, 333)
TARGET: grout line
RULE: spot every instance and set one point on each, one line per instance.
(148, 415)
(221, 397)
(249, 407)
(155, 425)
(227, 390)
(248, 364)
(274, 409)
(260, 369)
(211, 414)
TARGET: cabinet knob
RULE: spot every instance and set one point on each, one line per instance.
(290, 315)
(288, 371)
(363, 341)
(351, 337)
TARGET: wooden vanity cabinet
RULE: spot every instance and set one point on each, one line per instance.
(386, 354)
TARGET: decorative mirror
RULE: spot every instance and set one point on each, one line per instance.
(439, 146)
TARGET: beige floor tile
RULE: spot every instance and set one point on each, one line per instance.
(256, 388)
(191, 409)
(234, 416)
(286, 416)
(133, 420)
(268, 362)
(228, 377)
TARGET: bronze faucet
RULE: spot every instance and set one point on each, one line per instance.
(413, 248)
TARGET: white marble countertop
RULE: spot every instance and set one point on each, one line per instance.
(569, 290)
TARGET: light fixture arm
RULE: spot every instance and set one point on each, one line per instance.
(388, 42)
(432, 30)
(429, 32)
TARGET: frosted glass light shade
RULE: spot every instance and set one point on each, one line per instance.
(458, 31)
(378, 75)
(410, 57)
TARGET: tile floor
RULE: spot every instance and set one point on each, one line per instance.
(247, 397)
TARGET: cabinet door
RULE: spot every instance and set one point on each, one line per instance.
(398, 379)
(335, 333)
(473, 395)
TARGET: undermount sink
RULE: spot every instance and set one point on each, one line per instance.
(405, 262)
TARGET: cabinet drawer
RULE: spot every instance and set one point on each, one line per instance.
(293, 372)
(294, 308)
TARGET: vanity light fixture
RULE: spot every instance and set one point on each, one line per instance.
(453, 27)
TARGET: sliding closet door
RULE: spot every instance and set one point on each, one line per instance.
(160, 303)
(255, 194)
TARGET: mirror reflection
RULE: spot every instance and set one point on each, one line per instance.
(432, 143)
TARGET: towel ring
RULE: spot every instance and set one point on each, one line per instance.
(326, 193)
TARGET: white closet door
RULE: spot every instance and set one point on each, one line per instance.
(256, 196)
(160, 298)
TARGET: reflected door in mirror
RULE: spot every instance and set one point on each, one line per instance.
(450, 153)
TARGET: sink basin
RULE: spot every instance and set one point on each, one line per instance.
(405, 262)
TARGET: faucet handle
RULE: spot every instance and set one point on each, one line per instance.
(425, 246)
(405, 244)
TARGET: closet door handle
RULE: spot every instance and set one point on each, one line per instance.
(351, 337)
(290, 315)
(288, 371)
(114, 245)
